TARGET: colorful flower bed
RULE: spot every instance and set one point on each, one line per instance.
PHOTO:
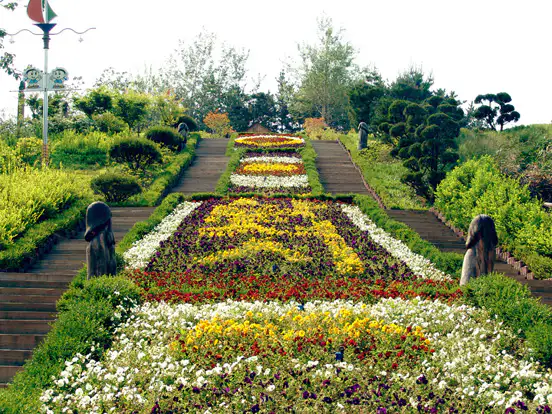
(394, 356)
(270, 174)
(269, 141)
(284, 305)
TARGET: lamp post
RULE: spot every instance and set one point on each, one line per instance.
(41, 12)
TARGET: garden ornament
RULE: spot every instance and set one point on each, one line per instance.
(183, 130)
(100, 252)
(33, 78)
(363, 130)
(481, 244)
(58, 77)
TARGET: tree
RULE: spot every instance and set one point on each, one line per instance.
(132, 108)
(283, 119)
(424, 134)
(412, 85)
(364, 96)
(262, 109)
(201, 79)
(219, 123)
(326, 74)
(6, 60)
(497, 111)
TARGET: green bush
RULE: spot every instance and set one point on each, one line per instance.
(28, 196)
(108, 123)
(115, 187)
(137, 153)
(165, 136)
(9, 159)
(29, 149)
(188, 120)
(85, 324)
(75, 150)
(512, 303)
(478, 187)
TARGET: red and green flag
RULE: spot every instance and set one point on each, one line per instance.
(40, 11)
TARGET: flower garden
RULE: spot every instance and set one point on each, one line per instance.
(263, 304)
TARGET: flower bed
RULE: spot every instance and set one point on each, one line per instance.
(269, 141)
(270, 174)
(297, 305)
(394, 356)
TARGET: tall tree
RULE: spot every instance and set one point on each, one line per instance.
(201, 73)
(412, 85)
(497, 110)
(326, 74)
(364, 96)
(284, 96)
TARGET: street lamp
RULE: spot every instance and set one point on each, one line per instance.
(40, 12)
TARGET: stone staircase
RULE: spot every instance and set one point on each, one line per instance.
(209, 163)
(337, 173)
(28, 300)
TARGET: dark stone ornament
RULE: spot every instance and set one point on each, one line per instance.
(100, 252)
(481, 244)
(363, 130)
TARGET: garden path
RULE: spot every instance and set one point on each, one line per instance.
(208, 165)
(28, 300)
(339, 176)
(337, 173)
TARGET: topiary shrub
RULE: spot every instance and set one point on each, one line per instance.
(115, 187)
(188, 120)
(165, 136)
(137, 153)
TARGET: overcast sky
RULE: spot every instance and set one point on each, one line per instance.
(470, 46)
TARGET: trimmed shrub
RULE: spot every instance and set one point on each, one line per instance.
(165, 136)
(115, 187)
(137, 153)
(80, 150)
(188, 120)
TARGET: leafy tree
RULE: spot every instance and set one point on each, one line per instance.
(218, 123)
(283, 119)
(6, 60)
(412, 85)
(203, 76)
(497, 111)
(96, 101)
(364, 96)
(262, 109)
(132, 108)
(424, 135)
(326, 74)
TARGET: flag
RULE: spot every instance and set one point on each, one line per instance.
(40, 11)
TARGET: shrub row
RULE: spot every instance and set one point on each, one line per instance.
(523, 227)
(84, 325)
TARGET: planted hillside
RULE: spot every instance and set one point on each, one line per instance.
(523, 227)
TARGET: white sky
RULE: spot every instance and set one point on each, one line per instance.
(471, 46)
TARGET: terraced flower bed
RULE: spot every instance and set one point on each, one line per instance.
(269, 141)
(285, 305)
(270, 173)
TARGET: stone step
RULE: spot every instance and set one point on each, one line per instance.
(14, 357)
(31, 305)
(27, 315)
(24, 326)
(29, 299)
(27, 341)
(18, 291)
(42, 284)
(7, 372)
(56, 277)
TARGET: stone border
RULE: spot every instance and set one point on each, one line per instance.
(366, 185)
(500, 253)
